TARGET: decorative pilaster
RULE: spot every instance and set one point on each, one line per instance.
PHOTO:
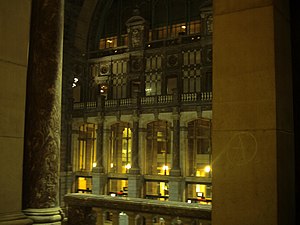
(135, 169)
(175, 171)
(99, 168)
(99, 177)
(43, 114)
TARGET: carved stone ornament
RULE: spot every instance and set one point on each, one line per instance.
(136, 64)
(172, 60)
(136, 39)
(104, 69)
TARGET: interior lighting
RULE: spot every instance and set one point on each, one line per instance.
(207, 169)
(94, 164)
(128, 166)
(75, 79)
(183, 27)
(109, 41)
(165, 167)
(111, 165)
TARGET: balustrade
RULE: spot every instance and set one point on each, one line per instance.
(90, 209)
(185, 99)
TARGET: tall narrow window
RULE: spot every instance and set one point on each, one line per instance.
(199, 148)
(86, 154)
(121, 144)
(158, 148)
(171, 85)
(153, 84)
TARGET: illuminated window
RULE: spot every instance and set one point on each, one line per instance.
(158, 148)
(158, 190)
(118, 187)
(199, 148)
(121, 144)
(84, 184)
(198, 193)
(86, 154)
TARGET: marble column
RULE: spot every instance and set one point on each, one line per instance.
(252, 136)
(43, 114)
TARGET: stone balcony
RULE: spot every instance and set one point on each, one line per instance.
(90, 209)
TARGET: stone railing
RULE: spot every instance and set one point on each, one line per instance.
(90, 209)
(148, 101)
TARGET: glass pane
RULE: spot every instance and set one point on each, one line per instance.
(118, 187)
(199, 193)
(158, 190)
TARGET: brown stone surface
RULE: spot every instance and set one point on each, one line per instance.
(252, 114)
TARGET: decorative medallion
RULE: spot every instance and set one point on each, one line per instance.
(172, 60)
(136, 65)
(104, 69)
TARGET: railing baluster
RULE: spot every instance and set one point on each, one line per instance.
(115, 217)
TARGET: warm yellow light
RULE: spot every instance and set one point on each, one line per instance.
(183, 27)
(111, 165)
(207, 169)
(109, 41)
(128, 166)
(165, 167)
(94, 164)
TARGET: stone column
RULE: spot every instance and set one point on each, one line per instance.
(135, 169)
(99, 178)
(43, 114)
(115, 217)
(134, 178)
(175, 171)
(100, 216)
(148, 219)
(252, 136)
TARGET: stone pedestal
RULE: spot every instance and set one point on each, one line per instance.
(99, 182)
(252, 137)
(66, 180)
(134, 186)
(43, 114)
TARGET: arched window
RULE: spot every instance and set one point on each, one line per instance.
(158, 148)
(86, 153)
(199, 148)
(120, 150)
